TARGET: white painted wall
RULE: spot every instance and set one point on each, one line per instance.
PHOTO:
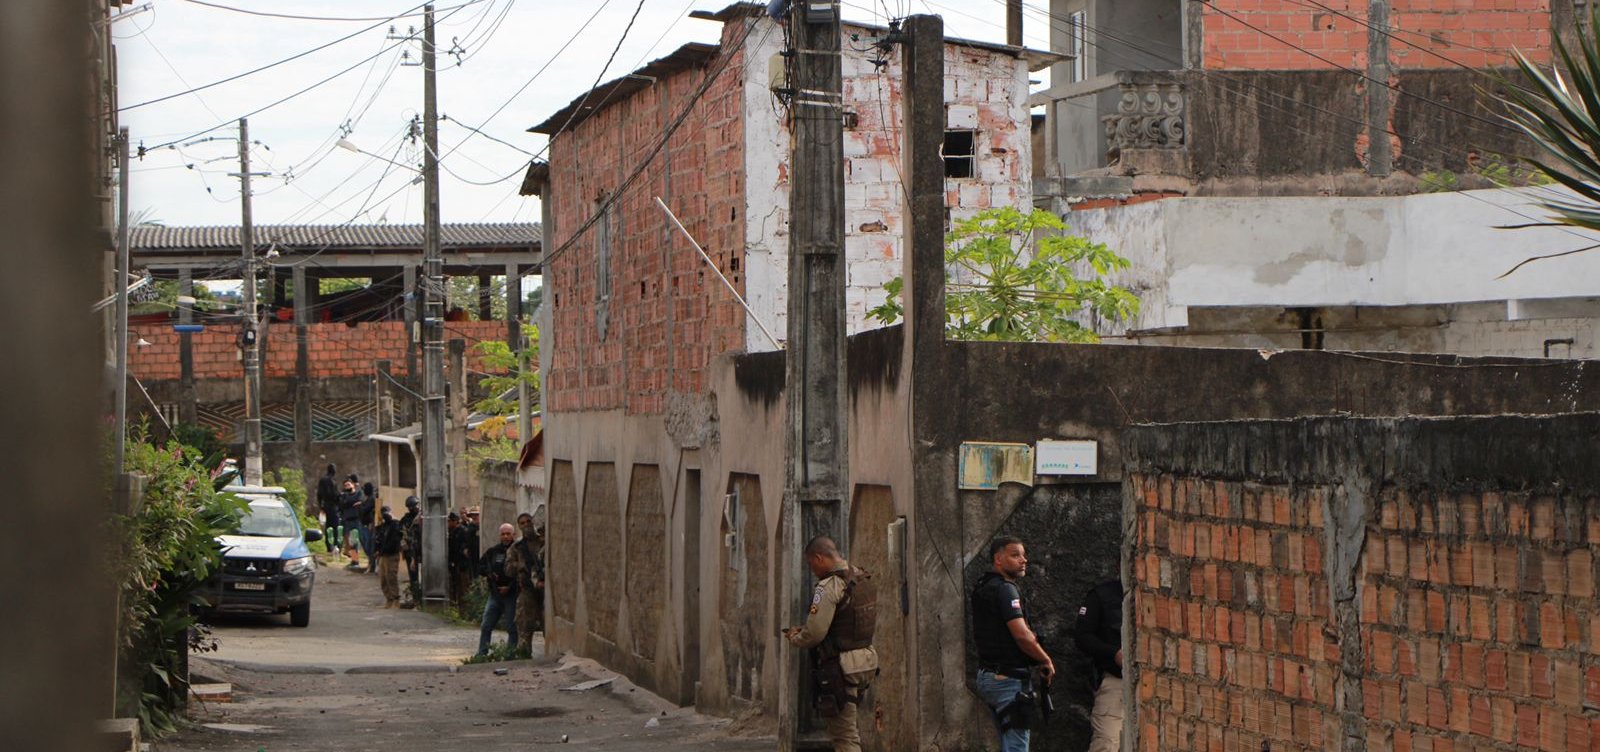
(984, 89)
(1429, 249)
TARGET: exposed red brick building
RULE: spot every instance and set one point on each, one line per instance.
(636, 319)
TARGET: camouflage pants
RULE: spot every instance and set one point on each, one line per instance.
(530, 617)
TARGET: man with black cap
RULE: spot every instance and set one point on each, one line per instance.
(411, 538)
(386, 542)
(1008, 651)
(526, 564)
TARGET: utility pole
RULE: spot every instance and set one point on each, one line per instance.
(435, 567)
(122, 301)
(1014, 23)
(816, 487)
(252, 348)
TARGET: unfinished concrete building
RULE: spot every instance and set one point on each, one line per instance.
(1315, 175)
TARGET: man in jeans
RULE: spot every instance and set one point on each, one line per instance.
(502, 590)
(1007, 647)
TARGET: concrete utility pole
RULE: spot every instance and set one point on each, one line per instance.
(435, 493)
(252, 348)
(1014, 23)
(122, 302)
(816, 488)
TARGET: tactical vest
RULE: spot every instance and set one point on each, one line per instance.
(856, 616)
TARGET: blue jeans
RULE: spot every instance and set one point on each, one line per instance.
(497, 608)
(998, 693)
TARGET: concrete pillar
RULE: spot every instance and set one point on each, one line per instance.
(303, 420)
(485, 297)
(188, 410)
(413, 310)
(385, 390)
(456, 433)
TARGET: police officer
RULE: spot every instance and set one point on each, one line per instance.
(411, 538)
(387, 538)
(1008, 651)
(843, 614)
(1099, 636)
(526, 565)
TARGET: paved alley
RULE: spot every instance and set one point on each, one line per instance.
(363, 678)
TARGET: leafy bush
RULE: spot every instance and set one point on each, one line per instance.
(1030, 290)
(163, 554)
(293, 481)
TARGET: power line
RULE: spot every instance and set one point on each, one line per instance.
(536, 74)
(294, 17)
(268, 66)
(677, 122)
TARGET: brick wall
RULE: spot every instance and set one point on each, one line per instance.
(335, 349)
(667, 314)
(1231, 605)
(1407, 585)
(1422, 33)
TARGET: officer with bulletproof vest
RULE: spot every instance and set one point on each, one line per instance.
(1014, 672)
(843, 614)
(1099, 635)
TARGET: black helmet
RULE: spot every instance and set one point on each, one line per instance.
(411, 502)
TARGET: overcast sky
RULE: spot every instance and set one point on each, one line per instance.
(181, 44)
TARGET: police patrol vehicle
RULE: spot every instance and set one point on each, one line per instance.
(266, 566)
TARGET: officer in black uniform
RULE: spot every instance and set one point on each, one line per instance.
(1009, 653)
(1099, 636)
(842, 618)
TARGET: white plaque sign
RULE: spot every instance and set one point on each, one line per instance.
(1066, 457)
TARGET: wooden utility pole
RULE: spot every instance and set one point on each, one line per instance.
(1014, 23)
(252, 348)
(435, 491)
(816, 488)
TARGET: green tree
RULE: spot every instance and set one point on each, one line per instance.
(162, 555)
(508, 371)
(463, 294)
(1562, 116)
(166, 298)
(1030, 290)
(514, 370)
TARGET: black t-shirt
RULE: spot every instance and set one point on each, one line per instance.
(1099, 628)
(995, 602)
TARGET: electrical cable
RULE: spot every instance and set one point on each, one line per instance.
(689, 108)
(268, 66)
(247, 11)
(302, 91)
(536, 74)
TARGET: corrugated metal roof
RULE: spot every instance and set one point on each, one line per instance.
(313, 237)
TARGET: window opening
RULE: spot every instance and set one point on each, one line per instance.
(1077, 44)
(960, 152)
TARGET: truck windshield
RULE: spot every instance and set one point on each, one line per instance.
(268, 521)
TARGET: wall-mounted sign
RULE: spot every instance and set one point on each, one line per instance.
(984, 465)
(1066, 457)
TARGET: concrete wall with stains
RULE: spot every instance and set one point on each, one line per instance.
(1432, 262)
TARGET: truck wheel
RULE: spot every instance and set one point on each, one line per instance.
(300, 615)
